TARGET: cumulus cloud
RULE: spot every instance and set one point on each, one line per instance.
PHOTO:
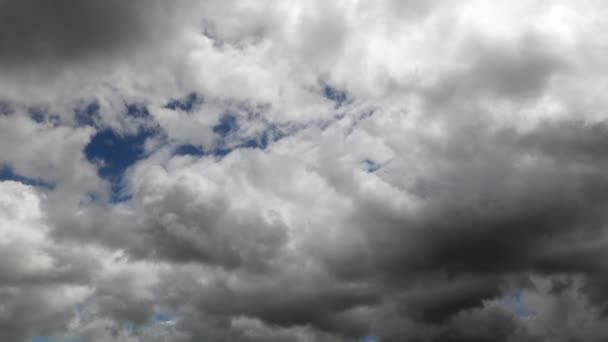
(303, 171)
(41, 282)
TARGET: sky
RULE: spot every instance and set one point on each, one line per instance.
(307, 170)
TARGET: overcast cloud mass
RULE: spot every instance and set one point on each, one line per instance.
(348, 170)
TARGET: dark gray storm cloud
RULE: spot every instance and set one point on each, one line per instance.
(507, 204)
(50, 33)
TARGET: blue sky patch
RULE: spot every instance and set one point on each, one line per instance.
(51, 339)
(272, 133)
(116, 153)
(5, 108)
(228, 139)
(185, 104)
(37, 114)
(43, 339)
(41, 115)
(188, 150)
(163, 317)
(226, 125)
(6, 173)
(339, 97)
(260, 142)
(86, 115)
(198, 151)
(371, 165)
(370, 338)
(137, 110)
(513, 302)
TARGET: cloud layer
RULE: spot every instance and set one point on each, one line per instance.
(303, 171)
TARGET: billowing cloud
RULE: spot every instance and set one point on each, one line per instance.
(303, 171)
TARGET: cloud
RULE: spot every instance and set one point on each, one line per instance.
(303, 171)
(35, 32)
(40, 282)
